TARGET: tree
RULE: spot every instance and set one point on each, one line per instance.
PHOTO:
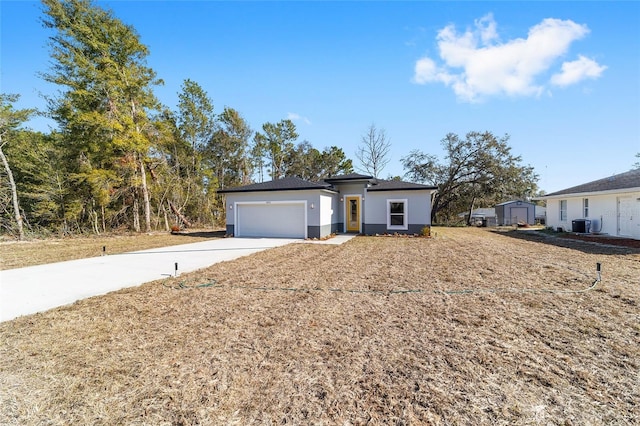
(196, 120)
(334, 162)
(10, 120)
(637, 164)
(303, 161)
(228, 148)
(478, 169)
(306, 162)
(41, 178)
(196, 123)
(103, 109)
(276, 143)
(373, 151)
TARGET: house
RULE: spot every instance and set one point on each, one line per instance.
(295, 208)
(610, 206)
(516, 212)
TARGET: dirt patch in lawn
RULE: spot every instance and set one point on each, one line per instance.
(18, 254)
(469, 327)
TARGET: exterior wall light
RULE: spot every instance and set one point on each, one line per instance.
(312, 206)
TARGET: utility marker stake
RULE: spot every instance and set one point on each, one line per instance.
(104, 250)
(175, 272)
(598, 270)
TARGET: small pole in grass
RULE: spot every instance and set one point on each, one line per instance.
(175, 271)
(104, 250)
(598, 270)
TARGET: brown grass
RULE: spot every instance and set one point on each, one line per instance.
(170, 352)
(18, 254)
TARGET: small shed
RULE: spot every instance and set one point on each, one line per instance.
(516, 212)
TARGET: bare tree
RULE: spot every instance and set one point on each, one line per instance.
(11, 119)
(373, 151)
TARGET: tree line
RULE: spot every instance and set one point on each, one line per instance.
(119, 159)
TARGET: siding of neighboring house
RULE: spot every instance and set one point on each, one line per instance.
(613, 205)
(376, 216)
(615, 213)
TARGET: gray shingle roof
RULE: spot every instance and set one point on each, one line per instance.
(296, 184)
(630, 179)
(284, 184)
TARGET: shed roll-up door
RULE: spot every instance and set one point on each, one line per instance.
(278, 220)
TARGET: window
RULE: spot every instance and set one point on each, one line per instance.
(563, 210)
(585, 207)
(397, 214)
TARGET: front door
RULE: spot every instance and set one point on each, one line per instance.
(353, 214)
(627, 218)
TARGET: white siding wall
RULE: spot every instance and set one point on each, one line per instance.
(327, 208)
(603, 208)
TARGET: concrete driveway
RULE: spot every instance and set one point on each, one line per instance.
(34, 289)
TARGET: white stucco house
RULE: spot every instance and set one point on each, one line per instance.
(610, 206)
(295, 208)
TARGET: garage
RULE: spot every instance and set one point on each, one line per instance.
(271, 219)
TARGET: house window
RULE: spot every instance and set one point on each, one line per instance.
(563, 210)
(397, 214)
(585, 207)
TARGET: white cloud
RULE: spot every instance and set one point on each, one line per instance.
(475, 64)
(297, 117)
(576, 71)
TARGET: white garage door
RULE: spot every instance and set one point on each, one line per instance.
(279, 220)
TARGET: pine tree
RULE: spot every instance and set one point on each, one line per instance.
(103, 108)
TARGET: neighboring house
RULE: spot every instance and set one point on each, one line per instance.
(516, 212)
(295, 208)
(610, 206)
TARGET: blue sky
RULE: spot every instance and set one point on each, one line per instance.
(561, 78)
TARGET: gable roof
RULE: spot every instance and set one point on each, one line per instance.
(285, 184)
(398, 185)
(627, 180)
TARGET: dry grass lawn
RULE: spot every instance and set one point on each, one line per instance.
(379, 330)
(18, 254)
